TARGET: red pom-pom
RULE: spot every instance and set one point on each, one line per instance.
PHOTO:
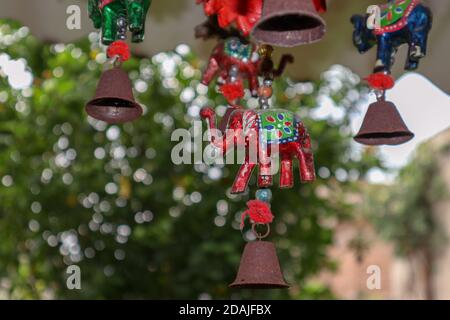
(380, 81)
(232, 91)
(258, 211)
(119, 48)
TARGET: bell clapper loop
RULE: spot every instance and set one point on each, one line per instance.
(381, 95)
(116, 61)
(259, 235)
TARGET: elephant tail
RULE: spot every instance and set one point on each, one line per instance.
(285, 60)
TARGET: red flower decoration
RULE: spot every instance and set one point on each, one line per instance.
(321, 5)
(119, 48)
(380, 81)
(211, 6)
(258, 211)
(232, 91)
(244, 13)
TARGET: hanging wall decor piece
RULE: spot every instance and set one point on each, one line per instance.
(289, 23)
(114, 101)
(239, 64)
(264, 132)
(400, 22)
(233, 62)
(263, 128)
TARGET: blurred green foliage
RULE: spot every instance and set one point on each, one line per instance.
(406, 213)
(109, 198)
(403, 212)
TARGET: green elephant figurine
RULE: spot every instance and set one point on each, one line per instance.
(114, 16)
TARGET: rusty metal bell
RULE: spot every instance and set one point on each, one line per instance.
(289, 23)
(383, 125)
(259, 268)
(114, 101)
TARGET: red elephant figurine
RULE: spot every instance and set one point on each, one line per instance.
(233, 61)
(256, 131)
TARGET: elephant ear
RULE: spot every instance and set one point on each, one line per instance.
(249, 121)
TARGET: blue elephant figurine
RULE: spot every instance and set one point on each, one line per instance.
(400, 22)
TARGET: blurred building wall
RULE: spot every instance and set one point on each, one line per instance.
(401, 278)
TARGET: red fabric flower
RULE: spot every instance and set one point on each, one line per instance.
(119, 48)
(321, 5)
(380, 81)
(258, 211)
(211, 6)
(232, 91)
(244, 13)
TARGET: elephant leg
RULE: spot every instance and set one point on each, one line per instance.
(111, 14)
(286, 173)
(412, 62)
(384, 53)
(306, 161)
(264, 181)
(419, 25)
(265, 167)
(137, 36)
(95, 14)
(242, 178)
(211, 70)
(137, 14)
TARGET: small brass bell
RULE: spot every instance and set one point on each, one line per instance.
(114, 101)
(289, 23)
(383, 125)
(259, 268)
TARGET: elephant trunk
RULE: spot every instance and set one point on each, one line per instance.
(214, 137)
(363, 38)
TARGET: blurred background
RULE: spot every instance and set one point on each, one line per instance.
(108, 198)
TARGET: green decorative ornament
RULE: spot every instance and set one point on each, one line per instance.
(277, 126)
(238, 50)
(115, 16)
(394, 11)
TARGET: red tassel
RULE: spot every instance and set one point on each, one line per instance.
(119, 48)
(232, 91)
(380, 81)
(258, 211)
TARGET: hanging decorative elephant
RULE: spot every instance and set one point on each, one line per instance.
(233, 61)
(400, 22)
(257, 131)
(113, 16)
